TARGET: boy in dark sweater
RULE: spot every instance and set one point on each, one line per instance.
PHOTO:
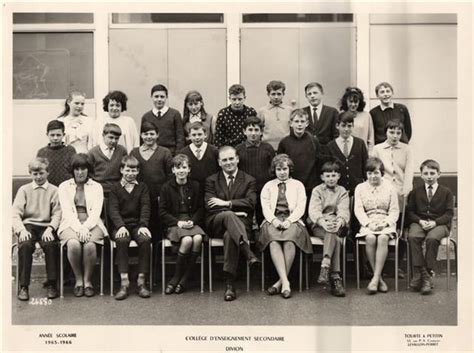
(202, 155)
(57, 153)
(167, 120)
(129, 211)
(107, 157)
(304, 150)
(255, 157)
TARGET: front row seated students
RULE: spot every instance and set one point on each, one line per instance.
(230, 202)
(107, 157)
(283, 204)
(304, 150)
(129, 212)
(328, 219)
(376, 208)
(429, 212)
(350, 152)
(36, 217)
(182, 212)
(81, 228)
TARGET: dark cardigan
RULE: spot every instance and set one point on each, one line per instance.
(170, 203)
(129, 209)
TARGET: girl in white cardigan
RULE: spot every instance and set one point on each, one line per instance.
(81, 201)
(283, 204)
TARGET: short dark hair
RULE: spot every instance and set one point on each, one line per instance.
(331, 166)
(382, 84)
(312, 85)
(275, 85)
(82, 160)
(236, 89)
(130, 161)
(279, 159)
(352, 93)
(196, 126)
(159, 87)
(346, 117)
(111, 128)
(37, 164)
(117, 96)
(253, 121)
(374, 163)
(179, 159)
(147, 126)
(394, 124)
(55, 125)
(430, 163)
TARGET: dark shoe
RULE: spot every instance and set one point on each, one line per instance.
(52, 291)
(337, 289)
(401, 274)
(229, 294)
(273, 290)
(425, 282)
(143, 291)
(78, 291)
(170, 288)
(179, 289)
(372, 287)
(122, 293)
(324, 275)
(415, 283)
(23, 295)
(254, 262)
(286, 294)
(382, 288)
(89, 292)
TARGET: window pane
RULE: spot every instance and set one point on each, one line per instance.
(50, 65)
(52, 17)
(167, 18)
(297, 17)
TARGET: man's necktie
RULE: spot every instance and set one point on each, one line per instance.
(430, 192)
(231, 182)
(315, 115)
(198, 154)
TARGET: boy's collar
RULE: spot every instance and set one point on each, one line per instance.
(383, 107)
(43, 186)
(123, 182)
(162, 110)
(292, 132)
(251, 144)
(57, 146)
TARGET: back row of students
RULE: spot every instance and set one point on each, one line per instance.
(227, 128)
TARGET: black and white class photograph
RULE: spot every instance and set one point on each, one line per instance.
(194, 167)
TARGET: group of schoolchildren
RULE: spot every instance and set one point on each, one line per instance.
(306, 163)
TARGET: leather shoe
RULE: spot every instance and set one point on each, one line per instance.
(23, 295)
(170, 288)
(122, 293)
(382, 288)
(372, 287)
(415, 283)
(143, 291)
(273, 290)
(89, 292)
(286, 294)
(78, 291)
(52, 291)
(323, 275)
(179, 288)
(229, 294)
(425, 282)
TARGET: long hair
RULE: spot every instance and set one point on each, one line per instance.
(191, 97)
(68, 100)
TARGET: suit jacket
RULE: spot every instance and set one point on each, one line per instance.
(440, 209)
(243, 194)
(94, 195)
(325, 128)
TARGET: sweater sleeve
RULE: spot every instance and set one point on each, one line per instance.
(166, 215)
(114, 209)
(343, 211)
(300, 208)
(394, 210)
(96, 209)
(371, 134)
(198, 216)
(220, 130)
(144, 207)
(265, 203)
(55, 211)
(407, 123)
(445, 218)
(67, 207)
(409, 172)
(359, 207)
(179, 131)
(412, 216)
(18, 211)
(315, 210)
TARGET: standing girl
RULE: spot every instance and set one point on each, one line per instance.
(182, 211)
(283, 204)
(194, 111)
(78, 126)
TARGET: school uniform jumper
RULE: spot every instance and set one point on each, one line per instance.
(170, 128)
(380, 118)
(59, 158)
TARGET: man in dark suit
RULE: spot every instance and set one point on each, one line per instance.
(322, 118)
(230, 197)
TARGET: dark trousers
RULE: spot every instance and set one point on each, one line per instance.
(232, 229)
(25, 254)
(416, 236)
(144, 252)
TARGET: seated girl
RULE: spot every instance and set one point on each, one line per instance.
(283, 204)
(182, 211)
(81, 200)
(376, 208)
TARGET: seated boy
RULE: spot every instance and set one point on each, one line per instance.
(230, 120)
(328, 215)
(202, 155)
(107, 157)
(129, 211)
(304, 150)
(36, 217)
(255, 158)
(57, 153)
(429, 213)
(275, 115)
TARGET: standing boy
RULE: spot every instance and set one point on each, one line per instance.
(275, 115)
(167, 120)
(106, 158)
(388, 111)
(230, 120)
(57, 153)
(429, 213)
(36, 217)
(129, 210)
(322, 118)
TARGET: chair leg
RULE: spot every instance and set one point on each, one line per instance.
(344, 261)
(210, 267)
(306, 269)
(357, 264)
(396, 265)
(111, 269)
(61, 271)
(202, 268)
(301, 270)
(102, 269)
(17, 269)
(163, 264)
(248, 277)
(408, 265)
(263, 270)
(151, 267)
(448, 262)
(455, 256)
